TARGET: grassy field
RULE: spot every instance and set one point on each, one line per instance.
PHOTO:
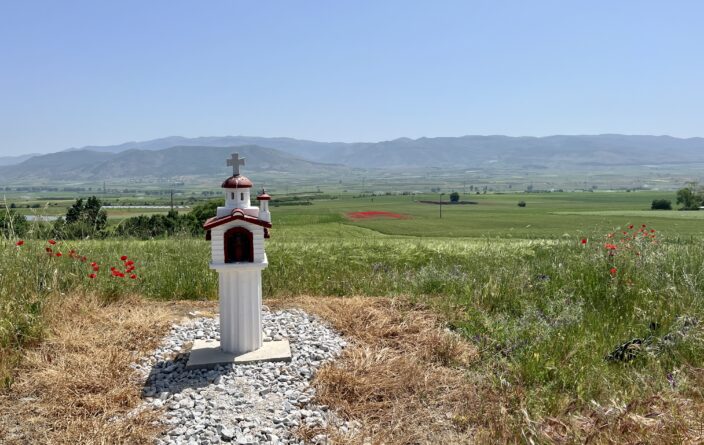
(543, 308)
(546, 215)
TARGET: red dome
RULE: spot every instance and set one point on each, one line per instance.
(237, 182)
(263, 197)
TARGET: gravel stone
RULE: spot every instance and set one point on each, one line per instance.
(260, 403)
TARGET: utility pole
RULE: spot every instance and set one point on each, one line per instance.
(441, 205)
(172, 199)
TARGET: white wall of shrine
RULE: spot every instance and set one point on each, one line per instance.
(237, 198)
(217, 241)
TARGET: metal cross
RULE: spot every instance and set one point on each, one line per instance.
(235, 162)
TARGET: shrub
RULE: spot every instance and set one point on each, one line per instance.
(454, 197)
(521, 203)
(12, 224)
(661, 204)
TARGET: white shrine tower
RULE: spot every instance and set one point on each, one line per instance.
(237, 234)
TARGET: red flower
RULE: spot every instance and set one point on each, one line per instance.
(59, 254)
(52, 242)
(652, 230)
(610, 246)
(93, 264)
(96, 268)
(123, 257)
(83, 259)
(48, 250)
(133, 276)
(129, 263)
(91, 276)
(631, 226)
(584, 241)
(19, 243)
(643, 226)
(613, 271)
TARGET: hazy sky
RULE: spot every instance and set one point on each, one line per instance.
(74, 73)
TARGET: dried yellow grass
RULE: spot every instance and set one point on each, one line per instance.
(77, 386)
(403, 375)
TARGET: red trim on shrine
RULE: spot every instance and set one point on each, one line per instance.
(236, 215)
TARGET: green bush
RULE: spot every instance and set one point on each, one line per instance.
(661, 204)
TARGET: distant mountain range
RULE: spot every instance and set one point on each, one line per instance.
(13, 160)
(179, 161)
(179, 156)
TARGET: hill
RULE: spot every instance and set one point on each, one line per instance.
(171, 162)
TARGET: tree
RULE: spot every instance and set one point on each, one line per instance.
(521, 203)
(454, 197)
(690, 197)
(12, 224)
(83, 218)
(661, 204)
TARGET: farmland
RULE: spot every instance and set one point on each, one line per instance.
(533, 288)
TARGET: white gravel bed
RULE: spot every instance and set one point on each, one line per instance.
(261, 403)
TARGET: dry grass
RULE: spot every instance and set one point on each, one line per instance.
(77, 386)
(403, 376)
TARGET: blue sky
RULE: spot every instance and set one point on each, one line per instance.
(75, 73)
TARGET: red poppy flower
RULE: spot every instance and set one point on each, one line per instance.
(613, 271)
(610, 246)
(643, 226)
(52, 242)
(129, 263)
(133, 276)
(113, 268)
(652, 230)
(59, 254)
(83, 259)
(631, 226)
(19, 243)
(96, 268)
(584, 241)
(48, 250)
(123, 257)
(91, 276)
(93, 264)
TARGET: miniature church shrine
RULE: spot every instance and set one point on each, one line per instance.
(237, 233)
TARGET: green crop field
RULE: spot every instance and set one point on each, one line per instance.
(546, 216)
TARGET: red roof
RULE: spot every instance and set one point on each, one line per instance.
(237, 182)
(236, 214)
(263, 197)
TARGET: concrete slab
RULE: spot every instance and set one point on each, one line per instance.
(207, 354)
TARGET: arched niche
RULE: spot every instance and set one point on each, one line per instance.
(239, 245)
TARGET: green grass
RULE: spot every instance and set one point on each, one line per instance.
(543, 309)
